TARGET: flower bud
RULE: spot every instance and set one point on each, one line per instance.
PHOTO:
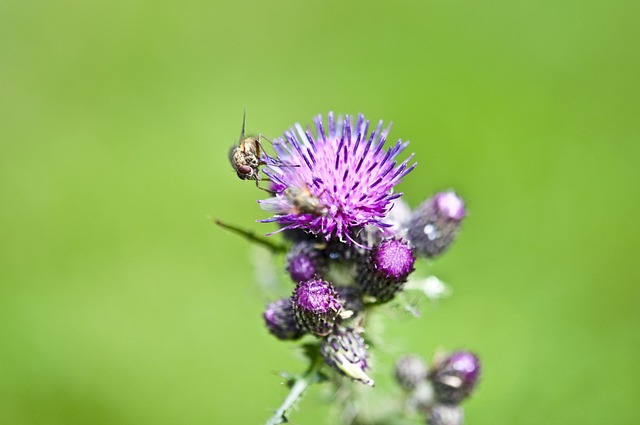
(304, 261)
(346, 352)
(410, 371)
(455, 377)
(435, 224)
(315, 306)
(445, 415)
(382, 275)
(280, 320)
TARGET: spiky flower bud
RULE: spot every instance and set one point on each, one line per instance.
(384, 272)
(410, 371)
(280, 320)
(346, 352)
(304, 261)
(445, 415)
(435, 224)
(315, 305)
(455, 377)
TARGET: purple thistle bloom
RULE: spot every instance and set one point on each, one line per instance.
(337, 181)
(315, 306)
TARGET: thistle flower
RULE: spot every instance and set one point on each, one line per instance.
(315, 306)
(336, 182)
(280, 320)
(383, 274)
(346, 352)
(435, 224)
(455, 377)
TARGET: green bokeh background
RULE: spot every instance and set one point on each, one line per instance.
(120, 302)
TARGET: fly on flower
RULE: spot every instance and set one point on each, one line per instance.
(294, 200)
(344, 178)
(303, 201)
(247, 157)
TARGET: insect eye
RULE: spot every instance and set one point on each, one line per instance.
(244, 169)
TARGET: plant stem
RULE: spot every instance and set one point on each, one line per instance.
(300, 384)
(251, 237)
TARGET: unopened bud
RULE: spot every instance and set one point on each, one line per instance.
(435, 224)
(382, 275)
(315, 305)
(455, 377)
(346, 352)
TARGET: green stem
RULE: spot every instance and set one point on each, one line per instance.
(297, 390)
(251, 237)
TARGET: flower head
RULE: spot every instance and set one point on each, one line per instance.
(315, 306)
(455, 377)
(383, 274)
(435, 224)
(337, 181)
(346, 351)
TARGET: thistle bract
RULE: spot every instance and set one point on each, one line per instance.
(336, 181)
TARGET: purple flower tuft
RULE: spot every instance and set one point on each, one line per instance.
(316, 306)
(393, 259)
(279, 319)
(337, 181)
(455, 377)
(450, 205)
(383, 274)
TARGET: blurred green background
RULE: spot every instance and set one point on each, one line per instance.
(121, 303)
